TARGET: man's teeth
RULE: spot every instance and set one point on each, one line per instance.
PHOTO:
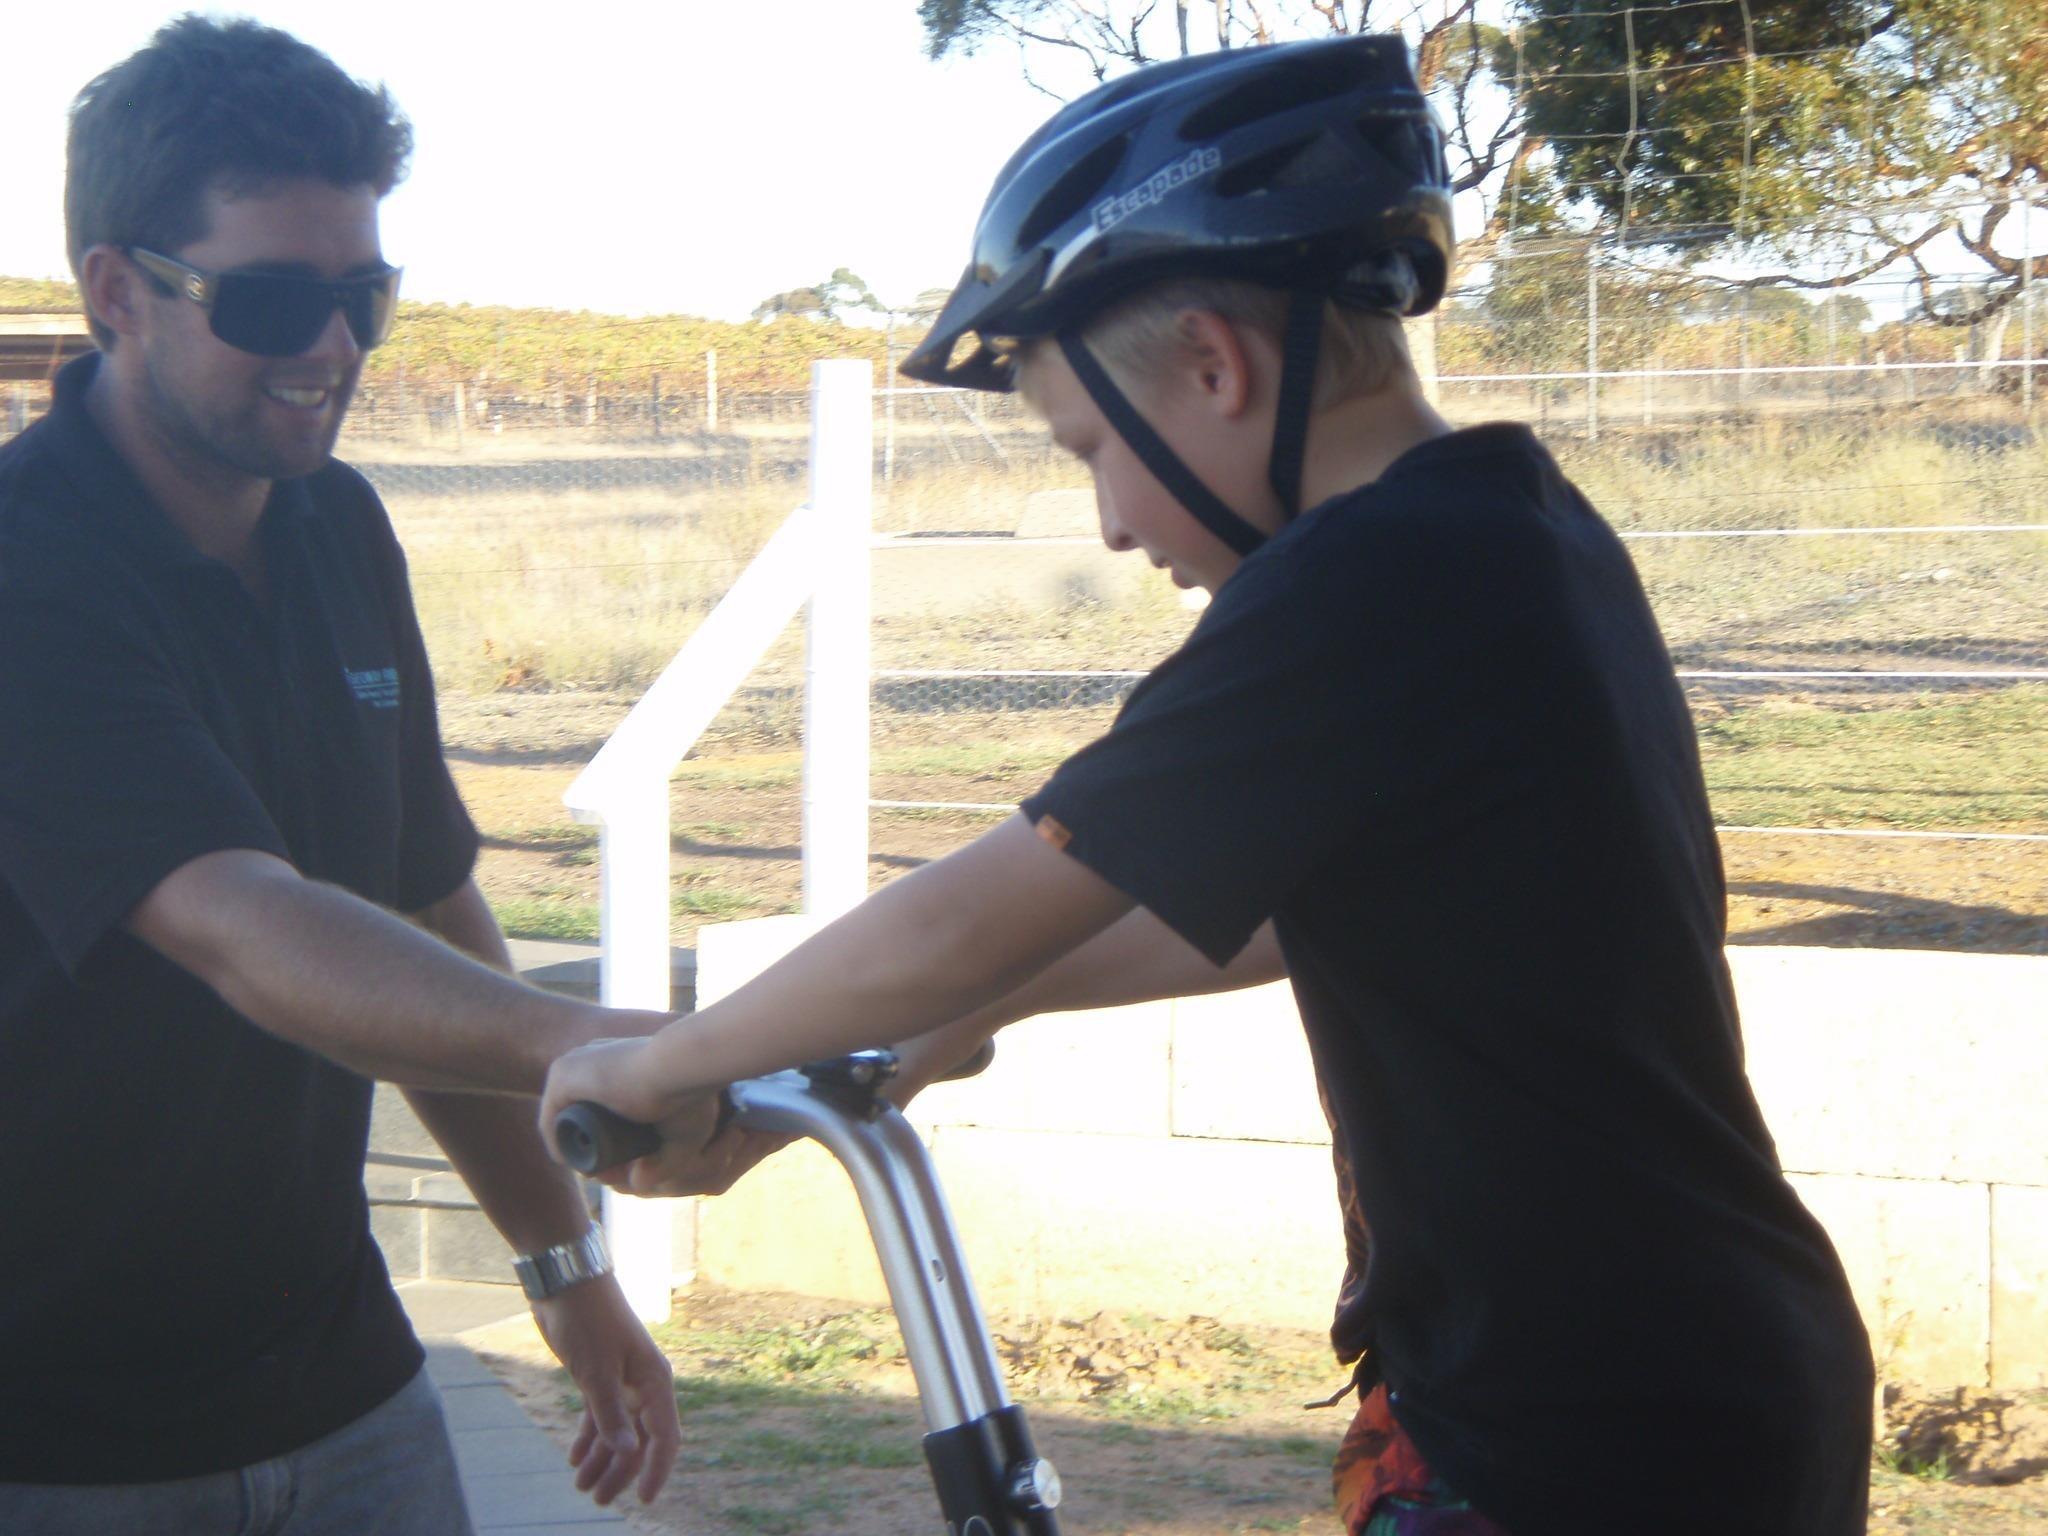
(304, 397)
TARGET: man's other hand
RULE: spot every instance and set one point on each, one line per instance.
(630, 1431)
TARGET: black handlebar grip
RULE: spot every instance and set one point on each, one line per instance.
(591, 1138)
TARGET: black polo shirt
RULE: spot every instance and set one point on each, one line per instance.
(1432, 732)
(187, 1279)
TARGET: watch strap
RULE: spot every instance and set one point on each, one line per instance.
(553, 1270)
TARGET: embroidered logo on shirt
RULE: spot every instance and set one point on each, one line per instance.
(1054, 831)
(377, 687)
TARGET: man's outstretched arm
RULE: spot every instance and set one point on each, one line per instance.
(341, 976)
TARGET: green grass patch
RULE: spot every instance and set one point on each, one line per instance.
(717, 831)
(547, 917)
(985, 759)
(777, 771)
(711, 901)
(1166, 1409)
(825, 1351)
(852, 1443)
(1972, 763)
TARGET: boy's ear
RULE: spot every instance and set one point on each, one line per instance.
(1215, 360)
(112, 288)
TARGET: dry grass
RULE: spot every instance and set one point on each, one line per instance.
(530, 589)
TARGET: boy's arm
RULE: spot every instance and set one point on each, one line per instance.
(1137, 959)
(922, 952)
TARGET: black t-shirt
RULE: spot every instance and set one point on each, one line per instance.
(189, 1279)
(1432, 731)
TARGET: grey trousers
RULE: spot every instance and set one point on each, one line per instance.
(390, 1473)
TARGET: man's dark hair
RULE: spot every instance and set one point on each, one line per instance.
(231, 106)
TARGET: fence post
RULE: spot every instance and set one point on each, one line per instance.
(1828, 307)
(1592, 344)
(654, 402)
(889, 403)
(836, 642)
(461, 406)
(2027, 301)
(711, 390)
(633, 849)
(1742, 350)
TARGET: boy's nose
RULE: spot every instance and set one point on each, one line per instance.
(1114, 539)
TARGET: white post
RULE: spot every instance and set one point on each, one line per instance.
(836, 682)
(635, 973)
(889, 387)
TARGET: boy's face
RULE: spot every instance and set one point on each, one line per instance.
(1138, 512)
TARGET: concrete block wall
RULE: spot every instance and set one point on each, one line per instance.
(1173, 1158)
(422, 1214)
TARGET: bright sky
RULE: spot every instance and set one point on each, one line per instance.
(630, 156)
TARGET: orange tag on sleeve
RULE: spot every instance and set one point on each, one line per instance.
(1054, 832)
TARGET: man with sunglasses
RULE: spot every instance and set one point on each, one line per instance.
(235, 876)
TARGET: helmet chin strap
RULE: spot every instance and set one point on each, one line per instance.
(1298, 352)
(1152, 451)
(1290, 426)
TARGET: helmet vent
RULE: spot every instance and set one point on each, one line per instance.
(1077, 185)
(1261, 172)
(1410, 152)
(1308, 79)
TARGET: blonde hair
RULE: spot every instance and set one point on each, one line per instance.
(1363, 352)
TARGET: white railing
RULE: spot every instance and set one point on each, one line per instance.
(820, 556)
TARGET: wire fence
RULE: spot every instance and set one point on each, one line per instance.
(1838, 502)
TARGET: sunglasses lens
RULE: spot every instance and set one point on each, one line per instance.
(369, 308)
(272, 315)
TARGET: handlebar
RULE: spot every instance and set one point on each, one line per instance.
(985, 1469)
(592, 1138)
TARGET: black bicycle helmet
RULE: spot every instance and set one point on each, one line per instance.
(1313, 167)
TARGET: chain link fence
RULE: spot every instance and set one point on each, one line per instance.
(1838, 501)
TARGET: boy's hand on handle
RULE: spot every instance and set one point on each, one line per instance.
(701, 1151)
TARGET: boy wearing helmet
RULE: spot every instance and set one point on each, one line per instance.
(1425, 755)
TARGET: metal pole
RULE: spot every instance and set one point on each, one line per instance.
(2027, 300)
(1828, 304)
(836, 643)
(1592, 345)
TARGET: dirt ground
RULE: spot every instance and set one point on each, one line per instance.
(799, 1419)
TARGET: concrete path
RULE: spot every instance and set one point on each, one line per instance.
(514, 1476)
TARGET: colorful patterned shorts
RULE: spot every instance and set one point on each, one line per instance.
(1384, 1488)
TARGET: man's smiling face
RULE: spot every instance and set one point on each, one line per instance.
(222, 409)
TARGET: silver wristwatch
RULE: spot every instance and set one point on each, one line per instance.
(553, 1270)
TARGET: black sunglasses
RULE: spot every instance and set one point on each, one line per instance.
(276, 314)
